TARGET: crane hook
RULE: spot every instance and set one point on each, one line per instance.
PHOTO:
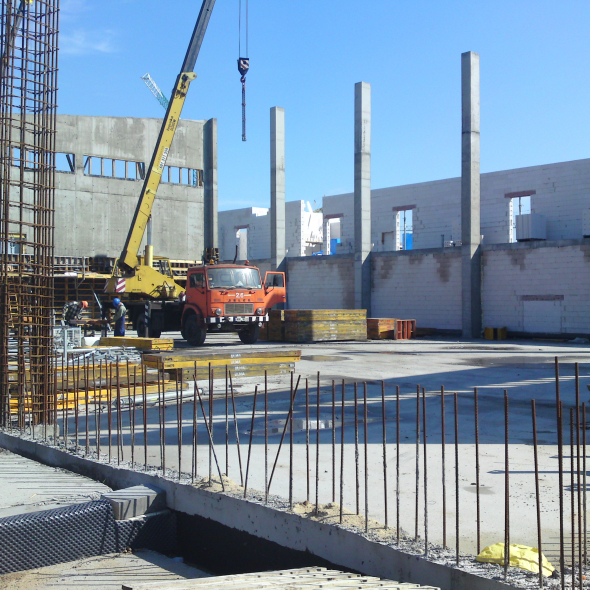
(243, 67)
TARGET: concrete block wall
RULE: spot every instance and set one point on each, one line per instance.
(93, 213)
(537, 287)
(561, 194)
(300, 226)
(425, 286)
(257, 220)
(320, 282)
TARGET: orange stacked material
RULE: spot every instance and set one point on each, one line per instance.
(390, 329)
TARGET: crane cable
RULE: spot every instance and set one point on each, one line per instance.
(243, 64)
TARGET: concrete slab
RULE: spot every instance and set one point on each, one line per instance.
(107, 572)
(136, 501)
(28, 486)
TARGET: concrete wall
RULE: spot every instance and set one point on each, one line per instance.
(302, 228)
(93, 212)
(321, 282)
(562, 193)
(424, 286)
(532, 287)
(539, 287)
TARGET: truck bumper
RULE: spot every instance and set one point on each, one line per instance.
(239, 319)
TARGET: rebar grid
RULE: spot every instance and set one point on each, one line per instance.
(28, 102)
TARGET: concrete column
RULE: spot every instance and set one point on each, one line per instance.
(362, 196)
(470, 197)
(210, 231)
(277, 187)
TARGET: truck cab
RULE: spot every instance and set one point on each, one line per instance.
(229, 298)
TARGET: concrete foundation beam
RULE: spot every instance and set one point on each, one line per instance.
(136, 501)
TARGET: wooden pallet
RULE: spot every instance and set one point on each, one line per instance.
(187, 360)
(188, 374)
(140, 343)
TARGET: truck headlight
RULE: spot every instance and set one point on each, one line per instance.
(260, 310)
(217, 311)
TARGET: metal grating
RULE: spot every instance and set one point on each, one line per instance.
(28, 95)
(239, 308)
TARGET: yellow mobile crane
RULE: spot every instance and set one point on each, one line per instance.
(133, 275)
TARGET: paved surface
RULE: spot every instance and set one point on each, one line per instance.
(27, 486)
(106, 572)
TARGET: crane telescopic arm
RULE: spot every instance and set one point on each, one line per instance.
(129, 256)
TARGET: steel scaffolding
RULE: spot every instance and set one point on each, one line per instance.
(28, 102)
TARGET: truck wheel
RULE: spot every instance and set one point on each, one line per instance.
(250, 334)
(142, 330)
(194, 333)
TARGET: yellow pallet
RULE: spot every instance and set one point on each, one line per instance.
(141, 343)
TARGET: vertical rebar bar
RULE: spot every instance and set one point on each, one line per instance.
(560, 473)
(333, 441)
(317, 449)
(265, 437)
(584, 479)
(307, 437)
(477, 498)
(578, 467)
(227, 415)
(195, 440)
(506, 489)
(397, 486)
(145, 428)
(572, 498)
(417, 495)
(356, 448)
(425, 473)
(537, 493)
(250, 441)
(457, 537)
(290, 421)
(384, 421)
(342, 452)
(210, 422)
(366, 443)
(443, 467)
(233, 401)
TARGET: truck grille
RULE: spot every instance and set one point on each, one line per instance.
(239, 308)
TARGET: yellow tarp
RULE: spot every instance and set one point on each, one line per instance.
(526, 558)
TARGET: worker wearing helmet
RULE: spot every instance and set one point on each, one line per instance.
(72, 312)
(119, 317)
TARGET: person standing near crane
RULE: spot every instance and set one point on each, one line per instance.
(119, 317)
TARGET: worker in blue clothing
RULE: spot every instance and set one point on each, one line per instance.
(119, 317)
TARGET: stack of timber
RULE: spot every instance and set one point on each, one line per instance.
(318, 325)
(274, 329)
(181, 365)
(140, 343)
(390, 329)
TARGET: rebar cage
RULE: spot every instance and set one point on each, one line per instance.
(28, 102)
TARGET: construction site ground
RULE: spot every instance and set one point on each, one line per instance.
(524, 368)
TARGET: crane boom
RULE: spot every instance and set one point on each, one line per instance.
(129, 260)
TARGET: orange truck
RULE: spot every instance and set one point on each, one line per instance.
(218, 298)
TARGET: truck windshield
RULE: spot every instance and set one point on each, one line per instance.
(233, 278)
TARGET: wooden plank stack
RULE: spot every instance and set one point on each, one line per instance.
(140, 343)
(252, 363)
(318, 325)
(390, 329)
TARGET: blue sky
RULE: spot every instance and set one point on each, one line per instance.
(306, 56)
